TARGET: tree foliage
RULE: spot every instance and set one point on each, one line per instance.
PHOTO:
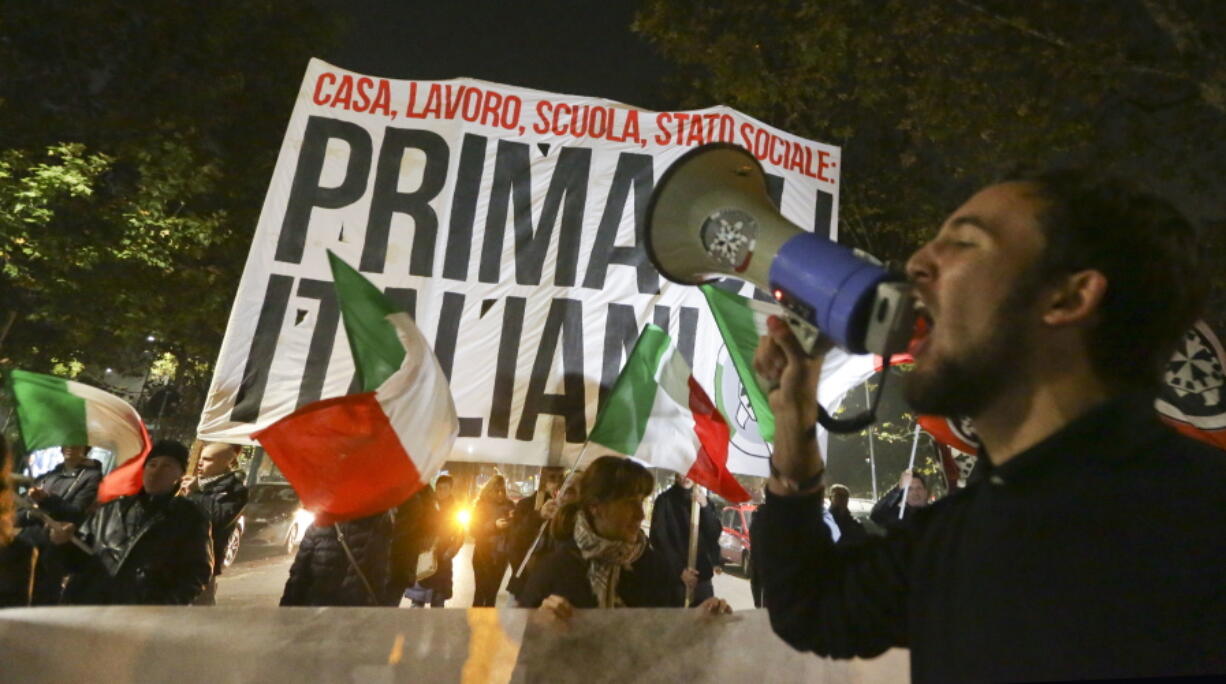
(136, 143)
(930, 100)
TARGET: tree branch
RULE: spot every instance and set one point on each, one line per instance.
(1014, 24)
(1185, 36)
(1177, 25)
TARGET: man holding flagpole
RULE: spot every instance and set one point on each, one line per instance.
(353, 458)
(149, 548)
(671, 535)
(65, 494)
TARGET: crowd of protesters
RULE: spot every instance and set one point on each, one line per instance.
(1053, 304)
(167, 544)
(577, 541)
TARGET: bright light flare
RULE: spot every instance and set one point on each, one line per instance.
(463, 517)
(302, 520)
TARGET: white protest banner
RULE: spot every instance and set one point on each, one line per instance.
(508, 222)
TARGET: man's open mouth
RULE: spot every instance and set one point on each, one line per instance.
(923, 328)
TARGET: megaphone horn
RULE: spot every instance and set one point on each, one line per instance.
(710, 216)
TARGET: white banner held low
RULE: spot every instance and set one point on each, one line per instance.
(508, 222)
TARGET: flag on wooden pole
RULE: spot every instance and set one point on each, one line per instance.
(659, 414)
(356, 455)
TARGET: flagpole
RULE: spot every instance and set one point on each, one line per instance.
(902, 507)
(541, 532)
(872, 456)
(692, 558)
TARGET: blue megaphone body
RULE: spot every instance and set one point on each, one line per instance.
(710, 216)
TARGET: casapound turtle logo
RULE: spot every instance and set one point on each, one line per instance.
(733, 402)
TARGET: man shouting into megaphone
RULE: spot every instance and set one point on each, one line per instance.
(1053, 303)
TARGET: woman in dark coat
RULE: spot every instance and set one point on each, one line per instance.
(450, 533)
(491, 518)
(603, 559)
(323, 574)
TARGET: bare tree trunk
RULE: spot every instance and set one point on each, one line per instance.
(8, 325)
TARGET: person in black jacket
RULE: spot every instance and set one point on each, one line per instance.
(66, 493)
(850, 529)
(450, 532)
(670, 535)
(491, 520)
(603, 559)
(1052, 304)
(530, 513)
(220, 492)
(149, 548)
(885, 511)
(414, 529)
(323, 573)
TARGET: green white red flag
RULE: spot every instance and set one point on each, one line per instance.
(742, 322)
(353, 456)
(54, 411)
(659, 414)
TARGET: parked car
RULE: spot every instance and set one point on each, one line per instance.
(274, 517)
(734, 540)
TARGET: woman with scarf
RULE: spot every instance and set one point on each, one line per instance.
(603, 558)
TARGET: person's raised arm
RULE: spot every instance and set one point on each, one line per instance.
(834, 602)
(791, 377)
(73, 508)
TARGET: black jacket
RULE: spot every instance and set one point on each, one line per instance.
(647, 584)
(449, 538)
(670, 535)
(885, 511)
(526, 524)
(489, 542)
(1057, 565)
(70, 495)
(413, 531)
(222, 501)
(15, 573)
(322, 574)
(148, 550)
(69, 499)
(850, 529)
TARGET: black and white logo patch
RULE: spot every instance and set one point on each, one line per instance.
(1195, 383)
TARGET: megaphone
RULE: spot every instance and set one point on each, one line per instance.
(710, 216)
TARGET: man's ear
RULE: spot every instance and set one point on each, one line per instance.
(1076, 299)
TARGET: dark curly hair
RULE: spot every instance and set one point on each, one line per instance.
(1148, 252)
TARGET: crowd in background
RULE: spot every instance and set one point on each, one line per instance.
(580, 540)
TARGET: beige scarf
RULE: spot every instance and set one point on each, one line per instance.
(605, 560)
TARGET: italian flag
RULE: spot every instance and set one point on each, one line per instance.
(357, 455)
(53, 411)
(742, 322)
(659, 414)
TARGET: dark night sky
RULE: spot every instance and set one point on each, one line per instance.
(575, 47)
(578, 47)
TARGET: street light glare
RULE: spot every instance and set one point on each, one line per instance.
(151, 338)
